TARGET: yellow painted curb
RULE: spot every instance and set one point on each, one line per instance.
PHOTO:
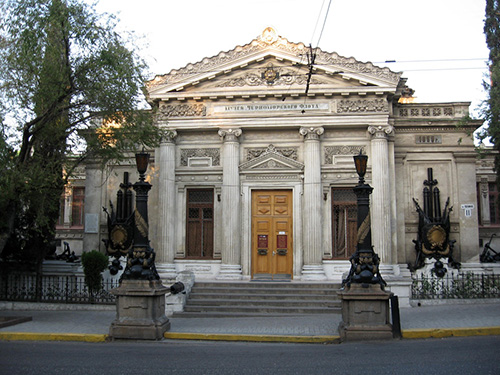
(28, 336)
(252, 338)
(449, 332)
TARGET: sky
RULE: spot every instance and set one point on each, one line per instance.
(439, 45)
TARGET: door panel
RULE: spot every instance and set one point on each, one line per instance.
(272, 251)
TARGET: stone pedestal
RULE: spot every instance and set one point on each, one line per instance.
(140, 311)
(365, 313)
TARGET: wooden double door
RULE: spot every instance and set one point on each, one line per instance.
(272, 240)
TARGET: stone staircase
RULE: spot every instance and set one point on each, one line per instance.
(240, 299)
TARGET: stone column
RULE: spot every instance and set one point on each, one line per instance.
(93, 206)
(381, 197)
(166, 209)
(231, 205)
(311, 218)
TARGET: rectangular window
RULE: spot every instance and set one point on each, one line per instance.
(77, 207)
(200, 223)
(344, 224)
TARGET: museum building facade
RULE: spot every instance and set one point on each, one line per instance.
(253, 178)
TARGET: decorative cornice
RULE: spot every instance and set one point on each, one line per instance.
(274, 42)
(230, 135)
(311, 133)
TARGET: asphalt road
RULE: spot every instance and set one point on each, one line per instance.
(471, 355)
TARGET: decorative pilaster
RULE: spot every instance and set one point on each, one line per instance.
(93, 206)
(484, 201)
(167, 209)
(311, 220)
(381, 207)
(231, 205)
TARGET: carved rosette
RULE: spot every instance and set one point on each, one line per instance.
(311, 133)
(230, 135)
(381, 132)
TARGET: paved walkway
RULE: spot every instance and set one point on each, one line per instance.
(425, 320)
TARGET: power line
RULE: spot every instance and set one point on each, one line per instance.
(427, 61)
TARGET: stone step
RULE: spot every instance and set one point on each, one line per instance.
(243, 298)
(263, 291)
(262, 296)
(278, 310)
(262, 303)
(266, 285)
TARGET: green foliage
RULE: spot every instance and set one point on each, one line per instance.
(64, 72)
(492, 105)
(94, 263)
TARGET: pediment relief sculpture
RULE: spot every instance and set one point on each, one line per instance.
(272, 159)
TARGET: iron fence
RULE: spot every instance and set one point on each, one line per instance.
(53, 289)
(456, 286)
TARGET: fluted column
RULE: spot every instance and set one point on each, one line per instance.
(231, 205)
(311, 218)
(381, 197)
(166, 208)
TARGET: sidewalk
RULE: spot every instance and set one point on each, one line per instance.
(416, 322)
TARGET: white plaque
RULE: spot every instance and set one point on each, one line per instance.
(91, 223)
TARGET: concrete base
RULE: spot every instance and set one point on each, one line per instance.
(140, 310)
(365, 313)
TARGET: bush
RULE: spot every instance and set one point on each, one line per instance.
(94, 263)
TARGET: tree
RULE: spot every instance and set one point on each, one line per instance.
(64, 72)
(492, 107)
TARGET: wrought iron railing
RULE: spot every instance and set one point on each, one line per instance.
(54, 289)
(456, 286)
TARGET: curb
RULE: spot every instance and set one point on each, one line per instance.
(449, 332)
(95, 338)
(28, 336)
(252, 338)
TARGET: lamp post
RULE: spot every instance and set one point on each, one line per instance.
(140, 298)
(365, 303)
(364, 262)
(141, 257)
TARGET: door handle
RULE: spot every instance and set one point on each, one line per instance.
(274, 253)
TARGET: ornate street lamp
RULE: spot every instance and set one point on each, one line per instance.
(141, 257)
(364, 262)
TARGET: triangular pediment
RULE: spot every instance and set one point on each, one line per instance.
(269, 63)
(271, 159)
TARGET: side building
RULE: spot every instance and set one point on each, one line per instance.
(254, 177)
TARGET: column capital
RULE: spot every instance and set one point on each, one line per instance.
(169, 136)
(311, 132)
(381, 131)
(230, 135)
